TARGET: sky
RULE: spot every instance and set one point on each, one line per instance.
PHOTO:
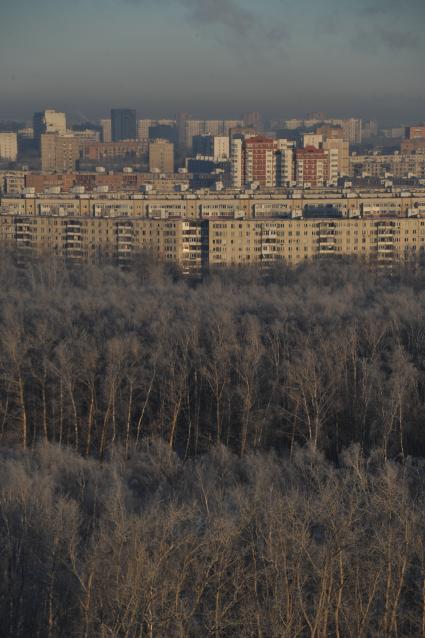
(214, 58)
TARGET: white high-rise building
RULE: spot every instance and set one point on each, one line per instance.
(49, 121)
(221, 148)
(284, 162)
(9, 146)
(236, 168)
(333, 165)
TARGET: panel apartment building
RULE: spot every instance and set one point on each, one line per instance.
(198, 245)
(228, 205)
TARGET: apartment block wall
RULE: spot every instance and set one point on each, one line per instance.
(106, 125)
(59, 153)
(99, 151)
(161, 156)
(116, 182)
(9, 146)
(168, 206)
(384, 241)
(200, 244)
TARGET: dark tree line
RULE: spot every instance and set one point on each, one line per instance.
(327, 355)
(146, 545)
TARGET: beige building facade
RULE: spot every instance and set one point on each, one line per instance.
(199, 245)
(9, 146)
(59, 153)
(161, 156)
(187, 205)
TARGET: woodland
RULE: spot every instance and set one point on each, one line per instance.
(241, 455)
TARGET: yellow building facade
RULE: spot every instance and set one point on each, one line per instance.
(198, 245)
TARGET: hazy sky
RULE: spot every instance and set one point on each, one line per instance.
(214, 57)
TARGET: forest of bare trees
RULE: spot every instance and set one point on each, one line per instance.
(146, 545)
(327, 355)
(238, 456)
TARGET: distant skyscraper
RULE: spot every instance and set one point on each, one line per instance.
(370, 129)
(253, 119)
(192, 128)
(123, 124)
(48, 121)
(181, 120)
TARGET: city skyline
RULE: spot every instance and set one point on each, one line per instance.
(287, 59)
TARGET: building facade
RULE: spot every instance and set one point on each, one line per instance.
(48, 121)
(106, 125)
(199, 245)
(311, 166)
(161, 156)
(59, 153)
(9, 146)
(123, 124)
(415, 132)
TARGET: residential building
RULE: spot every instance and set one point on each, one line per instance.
(214, 146)
(48, 121)
(285, 162)
(352, 130)
(253, 160)
(9, 146)
(339, 149)
(59, 153)
(86, 194)
(313, 139)
(311, 166)
(369, 129)
(228, 125)
(413, 145)
(201, 244)
(181, 120)
(236, 163)
(161, 156)
(143, 127)
(192, 128)
(254, 120)
(106, 125)
(126, 148)
(394, 133)
(88, 135)
(415, 132)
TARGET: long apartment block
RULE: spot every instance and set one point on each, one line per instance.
(197, 245)
(206, 206)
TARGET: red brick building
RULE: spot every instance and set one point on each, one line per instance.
(259, 160)
(311, 166)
